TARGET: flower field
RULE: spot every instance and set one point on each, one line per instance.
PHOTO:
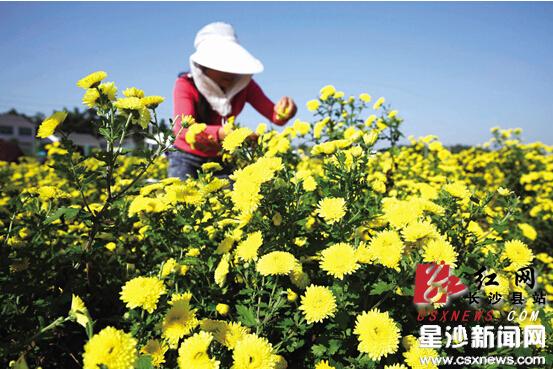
(304, 258)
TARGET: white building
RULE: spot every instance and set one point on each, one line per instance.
(18, 130)
(23, 132)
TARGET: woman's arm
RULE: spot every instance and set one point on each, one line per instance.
(257, 98)
(184, 97)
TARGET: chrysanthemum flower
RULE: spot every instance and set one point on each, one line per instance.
(418, 230)
(133, 92)
(235, 138)
(317, 304)
(327, 91)
(528, 231)
(193, 353)
(143, 292)
(226, 333)
(395, 366)
(111, 347)
(109, 89)
(518, 254)
(49, 125)
(222, 270)
(156, 350)
(79, 311)
(379, 103)
(298, 277)
(247, 249)
(438, 251)
(339, 260)
(253, 352)
(414, 354)
(332, 209)
(92, 80)
(128, 103)
(365, 97)
(386, 248)
(323, 364)
(90, 97)
(457, 189)
(152, 102)
(276, 263)
(179, 321)
(378, 334)
(313, 105)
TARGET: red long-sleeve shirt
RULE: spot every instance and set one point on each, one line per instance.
(186, 97)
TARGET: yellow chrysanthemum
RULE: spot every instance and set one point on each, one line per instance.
(313, 105)
(327, 91)
(92, 80)
(143, 292)
(317, 304)
(323, 364)
(276, 263)
(49, 125)
(414, 354)
(235, 138)
(518, 254)
(365, 97)
(332, 209)
(90, 97)
(133, 92)
(168, 267)
(110, 347)
(379, 103)
(226, 333)
(79, 311)
(128, 103)
(179, 321)
(386, 248)
(399, 213)
(193, 353)
(152, 101)
(109, 89)
(339, 260)
(395, 366)
(247, 249)
(298, 277)
(156, 350)
(185, 296)
(457, 189)
(253, 352)
(222, 270)
(528, 231)
(437, 251)
(378, 334)
(418, 230)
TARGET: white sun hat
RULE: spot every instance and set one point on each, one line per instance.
(217, 48)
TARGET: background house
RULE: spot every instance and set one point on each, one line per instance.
(19, 130)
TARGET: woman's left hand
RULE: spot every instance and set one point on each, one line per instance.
(285, 109)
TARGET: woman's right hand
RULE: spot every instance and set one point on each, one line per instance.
(285, 109)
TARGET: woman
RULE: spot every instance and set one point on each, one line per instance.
(217, 87)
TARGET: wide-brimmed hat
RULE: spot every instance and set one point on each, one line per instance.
(217, 48)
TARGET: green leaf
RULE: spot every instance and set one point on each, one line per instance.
(318, 350)
(144, 362)
(246, 315)
(68, 213)
(21, 363)
(381, 287)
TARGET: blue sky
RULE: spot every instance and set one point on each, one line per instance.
(450, 69)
